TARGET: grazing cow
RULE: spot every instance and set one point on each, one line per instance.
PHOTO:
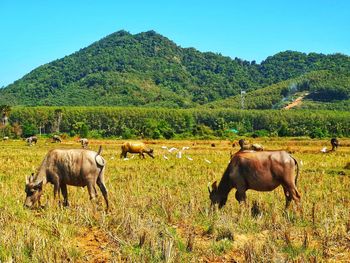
(6, 138)
(84, 142)
(56, 138)
(334, 143)
(32, 139)
(257, 147)
(75, 167)
(260, 171)
(251, 147)
(136, 147)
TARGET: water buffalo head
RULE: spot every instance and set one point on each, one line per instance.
(216, 197)
(242, 142)
(33, 192)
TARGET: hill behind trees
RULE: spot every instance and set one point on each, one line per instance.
(148, 69)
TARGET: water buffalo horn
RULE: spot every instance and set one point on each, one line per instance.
(209, 187)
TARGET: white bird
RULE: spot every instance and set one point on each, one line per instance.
(179, 155)
(126, 159)
(185, 148)
(165, 157)
(324, 149)
(172, 149)
(189, 158)
(207, 160)
(164, 147)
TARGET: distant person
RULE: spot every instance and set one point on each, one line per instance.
(335, 143)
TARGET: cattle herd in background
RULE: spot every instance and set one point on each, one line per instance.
(249, 168)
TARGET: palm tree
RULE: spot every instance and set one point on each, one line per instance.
(58, 115)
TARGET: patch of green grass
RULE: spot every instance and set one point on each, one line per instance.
(295, 252)
(222, 246)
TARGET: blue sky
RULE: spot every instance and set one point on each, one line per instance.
(35, 32)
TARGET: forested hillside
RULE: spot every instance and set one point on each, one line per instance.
(147, 69)
(319, 89)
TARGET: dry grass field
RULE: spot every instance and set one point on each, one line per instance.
(160, 208)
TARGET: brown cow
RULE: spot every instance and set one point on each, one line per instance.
(75, 167)
(136, 147)
(260, 171)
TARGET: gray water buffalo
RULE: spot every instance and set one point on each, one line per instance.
(75, 167)
(136, 147)
(56, 138)
(84, 142)
(260, 171)
(32, 139)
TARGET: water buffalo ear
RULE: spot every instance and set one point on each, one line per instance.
(214, 186)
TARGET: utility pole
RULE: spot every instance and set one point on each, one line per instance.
(242, 99)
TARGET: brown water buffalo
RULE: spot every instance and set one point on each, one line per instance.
(84, 142)
(75, 167)
(260, 171)
(136, 147)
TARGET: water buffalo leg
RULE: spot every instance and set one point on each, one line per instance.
(56, 191)
(292, 190)
(95, 191)
(288, 196)
(91, 190)
(123, 155)
(65, 194)
(103, 190)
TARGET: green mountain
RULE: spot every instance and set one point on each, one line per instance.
(147, 69)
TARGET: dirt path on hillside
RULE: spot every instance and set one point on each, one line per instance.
(296, 102)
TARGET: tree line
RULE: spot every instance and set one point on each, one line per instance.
(157, 123)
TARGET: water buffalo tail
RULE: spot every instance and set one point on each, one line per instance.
(99, 150)
(297, 175)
